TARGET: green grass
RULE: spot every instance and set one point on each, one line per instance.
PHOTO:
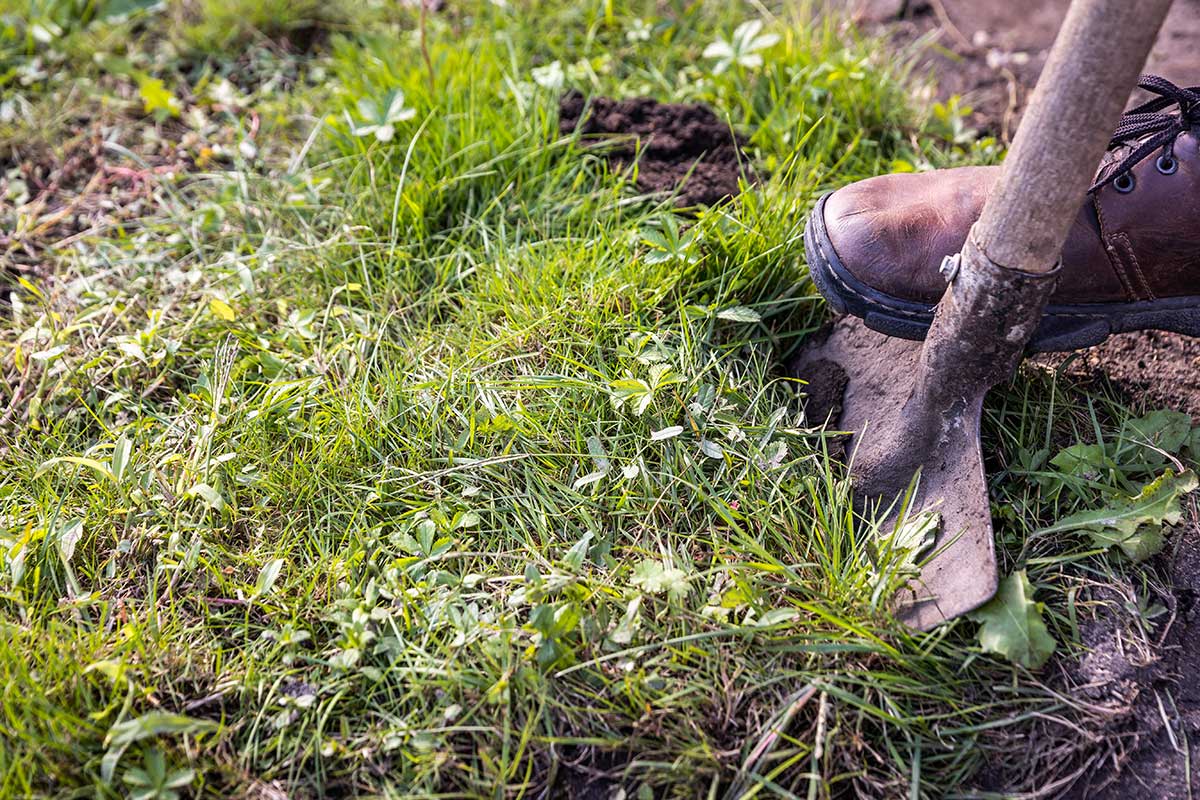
(411, 468)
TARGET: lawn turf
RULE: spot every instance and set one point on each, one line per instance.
(448, 465)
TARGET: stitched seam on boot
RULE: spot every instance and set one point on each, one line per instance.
(1114, 258)
(924, 317)
(1123, 240)
(894, 309)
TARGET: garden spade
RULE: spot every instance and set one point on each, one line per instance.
(914, 407)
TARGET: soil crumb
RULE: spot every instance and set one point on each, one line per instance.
(683, 148)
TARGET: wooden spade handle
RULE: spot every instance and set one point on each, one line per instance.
(1088, 77)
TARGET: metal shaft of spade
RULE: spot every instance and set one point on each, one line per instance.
(928, 424)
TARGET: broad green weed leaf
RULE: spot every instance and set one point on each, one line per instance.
(99, 467)
(1084, 460)
(739, 314)
(588, 480)
(1166, 430)
(655, 577)
(396, 112)
(267, 577)
(776, 616)
(1032, 460)
(367, 108)
(1131, 523)
(16, 564)
(1011, 624)
(154, 781)
(211, 497)
(465, 520)
(599, 454)
(623, 633)
(69, 536)
(1152, 439)
(661, 375)
(1140, 545)
(666, 433)
(634, 391)
(120, 457)
(741, 48)
(49, 355)
(719, 49)
(578, 552)
(156, 723)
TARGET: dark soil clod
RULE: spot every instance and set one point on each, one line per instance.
(681, 148)
(824, 388)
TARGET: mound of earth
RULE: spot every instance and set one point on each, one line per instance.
(679, 148)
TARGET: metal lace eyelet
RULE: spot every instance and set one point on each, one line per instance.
(1167, 165)
(1124, 183)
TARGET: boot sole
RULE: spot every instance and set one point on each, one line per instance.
(1063, 327)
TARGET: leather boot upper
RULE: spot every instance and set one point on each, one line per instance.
(1136, 236)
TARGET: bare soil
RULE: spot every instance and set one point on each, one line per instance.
(682, 148)
(1152, 369)
(1149, 680)
(991, 52)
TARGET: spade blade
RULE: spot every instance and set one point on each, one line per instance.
(878, 374)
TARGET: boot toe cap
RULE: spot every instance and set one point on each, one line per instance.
(891, 232)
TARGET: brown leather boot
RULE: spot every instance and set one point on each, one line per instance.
(1132, 260)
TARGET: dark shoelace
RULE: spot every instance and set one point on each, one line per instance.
(1148, 119)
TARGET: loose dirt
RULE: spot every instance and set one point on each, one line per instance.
(1151, 368)
(991, 52)
(683, 148)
